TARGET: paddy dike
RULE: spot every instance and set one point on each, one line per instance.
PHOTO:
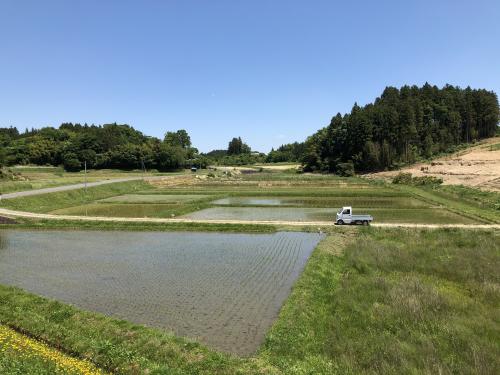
(223, 289)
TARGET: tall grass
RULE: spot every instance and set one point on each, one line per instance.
(398, 301)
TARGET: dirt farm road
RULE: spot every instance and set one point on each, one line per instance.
(32, 215)
(318, 224)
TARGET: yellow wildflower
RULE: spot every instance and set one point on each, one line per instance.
(25, 347)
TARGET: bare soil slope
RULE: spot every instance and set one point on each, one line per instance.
(478, 166)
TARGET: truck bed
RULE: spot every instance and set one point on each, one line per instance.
(362, 217)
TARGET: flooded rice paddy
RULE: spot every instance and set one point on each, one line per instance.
(333, 202)
(263, 213)
(380, 215)
(223, 289)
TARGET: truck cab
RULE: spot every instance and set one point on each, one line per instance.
(345, 216)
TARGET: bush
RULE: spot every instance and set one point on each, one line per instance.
(345, 169)
(427, 180)
(407, 179)
(402, 179)
(71, 163)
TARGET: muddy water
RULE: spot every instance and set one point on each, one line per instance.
(223, 289)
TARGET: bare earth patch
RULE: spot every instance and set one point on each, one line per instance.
(478, 166)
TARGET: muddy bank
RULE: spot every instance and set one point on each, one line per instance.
(6, 220)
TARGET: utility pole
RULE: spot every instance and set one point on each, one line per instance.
(85, 164)
(85, 189)
(143, 167)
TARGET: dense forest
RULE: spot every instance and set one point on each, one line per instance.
(106, 146)
(113, 146)
(401, 126)
(292, 152)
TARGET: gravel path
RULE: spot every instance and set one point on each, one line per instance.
(32, 215)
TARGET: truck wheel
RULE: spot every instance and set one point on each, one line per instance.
(365, 222)
(340, 222)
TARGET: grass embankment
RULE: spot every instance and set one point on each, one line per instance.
(396, 301)
(469, 202)
(30, 178)
(165, 210)
(319, 202)
(23, 223)
(38, 177)
(412, 216)
(22, 355)
(381, 301)
(114, 345)
(63, 199)
(138, 199)
(488, 200)
(14, 186)
(401, 204)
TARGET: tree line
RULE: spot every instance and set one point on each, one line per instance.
(401, 126)
(106, 146)
(237, 153)
(113, 146)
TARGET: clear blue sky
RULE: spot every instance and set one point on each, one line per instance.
(269, 71)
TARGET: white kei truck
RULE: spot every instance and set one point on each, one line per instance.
(345, 216)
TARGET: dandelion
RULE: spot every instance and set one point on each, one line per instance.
(25, 347)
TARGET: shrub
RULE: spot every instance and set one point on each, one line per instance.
(71, 162)
(402, 179)
(427, 180)
(345, 169)
(407, 179)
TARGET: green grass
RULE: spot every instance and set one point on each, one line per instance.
(292, 176)
(23, 223)
(419, 216)
(448, 197)
(386, 203)
(398, 301)
(131, 210)
(487, 200)
(416, 216)
(54, 201)
(39, 177)
(335, 202)
(286, 191)
(114, 345)
(8, 186)
(369, 301)
(153, 198)
(12, 363)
